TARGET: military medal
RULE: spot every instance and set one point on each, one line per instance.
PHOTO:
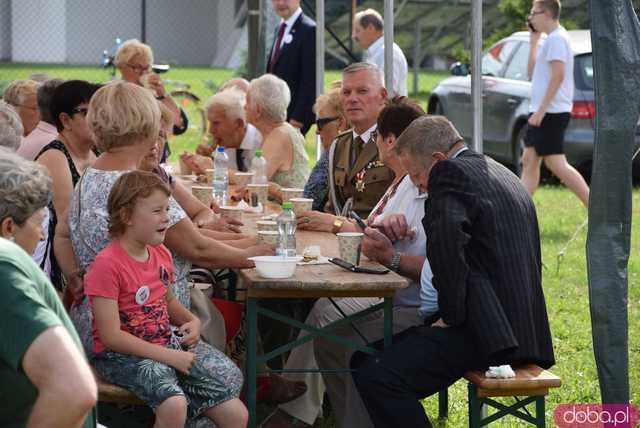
(360, 180)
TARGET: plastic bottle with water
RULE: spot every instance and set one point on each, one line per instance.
(287, 231)
(220, 176)
(259, 167)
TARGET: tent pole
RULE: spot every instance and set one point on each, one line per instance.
(388, 45)
(319, 61)
(476, 73)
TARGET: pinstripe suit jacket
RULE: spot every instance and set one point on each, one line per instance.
(484, 249)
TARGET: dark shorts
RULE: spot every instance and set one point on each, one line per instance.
(548, 138)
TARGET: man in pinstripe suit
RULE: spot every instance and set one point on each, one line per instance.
(484, 250)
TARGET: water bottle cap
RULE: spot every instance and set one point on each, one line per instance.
(258, 153)
(220, 149)
(287, 205)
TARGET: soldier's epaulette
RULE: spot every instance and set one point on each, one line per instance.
(343, 133)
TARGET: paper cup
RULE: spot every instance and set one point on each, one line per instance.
(243, 178)
(301, 205)
(269, 237)
(350, 246)
(203, 193)
(289, 193)
(209, 174)
(267, 225)
(262, 190)
(234, 213)
(184, 168)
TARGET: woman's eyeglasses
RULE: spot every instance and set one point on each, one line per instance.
(324, 121)
(82, 110)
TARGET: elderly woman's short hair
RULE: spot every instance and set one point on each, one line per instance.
(272, 95)
(397, 115)
(331, 100)
(25, 187)
(231, 100)
(236, 82)
(45, 94)
(11, 128)
(17, 92)
(426, 135)
(123, 113)
(130, 49)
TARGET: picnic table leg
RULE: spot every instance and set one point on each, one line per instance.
(252, 329)
(388, 321)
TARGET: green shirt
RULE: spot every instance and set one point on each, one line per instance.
(29, 305)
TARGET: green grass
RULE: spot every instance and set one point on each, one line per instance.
(564, 279)
(201, 80)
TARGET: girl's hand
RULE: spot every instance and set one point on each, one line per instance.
(190, 332)
(182, 361)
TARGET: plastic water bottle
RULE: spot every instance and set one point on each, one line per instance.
(259, 167)
(287, 231)
(220, 176)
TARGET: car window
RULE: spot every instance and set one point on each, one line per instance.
(517, 68)
(583, 72)
(494, 59)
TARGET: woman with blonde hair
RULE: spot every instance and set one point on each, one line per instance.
(125, 120)
(134, 60)
(23, 96)
(330, 122)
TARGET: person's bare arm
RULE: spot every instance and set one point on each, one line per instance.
(534, 37)
(198, 212)
(277, 149)
(184, 239)
(57, 368)
(61, 181)
(105, 313)
(66, 257)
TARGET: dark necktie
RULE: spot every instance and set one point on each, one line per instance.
(356, 149)
(276, 48)
(240, 160)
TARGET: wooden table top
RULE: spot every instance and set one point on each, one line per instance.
(321, 280)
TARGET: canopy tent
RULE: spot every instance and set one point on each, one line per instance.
(616, 54)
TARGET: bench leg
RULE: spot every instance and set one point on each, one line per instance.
(475, 412)
(443, 404)
(540, 416)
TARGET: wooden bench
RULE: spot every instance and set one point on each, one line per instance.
(531, 383)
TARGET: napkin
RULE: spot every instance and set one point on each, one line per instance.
(500, 372)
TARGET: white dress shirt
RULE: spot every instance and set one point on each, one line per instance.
(366, 135)
(375, 55)
(287, 37)
(251, 141)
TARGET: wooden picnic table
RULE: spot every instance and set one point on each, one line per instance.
(309, 282)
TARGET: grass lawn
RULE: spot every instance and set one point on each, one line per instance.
(564, 278)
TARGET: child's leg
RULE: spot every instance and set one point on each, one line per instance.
(172, 412)
(230, 414)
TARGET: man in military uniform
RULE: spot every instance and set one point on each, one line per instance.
(358, 178)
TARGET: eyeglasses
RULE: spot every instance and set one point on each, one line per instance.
(82, 110)
(536, 12)
(139, 68)
(324, 121)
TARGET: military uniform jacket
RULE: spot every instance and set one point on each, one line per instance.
(366, 182)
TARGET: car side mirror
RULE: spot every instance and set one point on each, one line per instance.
(459, 69)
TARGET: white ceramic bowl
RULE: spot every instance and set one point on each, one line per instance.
(276, 267)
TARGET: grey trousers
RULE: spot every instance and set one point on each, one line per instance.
(347, 405)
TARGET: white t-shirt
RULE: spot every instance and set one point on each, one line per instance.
(555, 47)
(375, 55)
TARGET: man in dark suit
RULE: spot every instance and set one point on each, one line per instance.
(293, 59)
(484, 250)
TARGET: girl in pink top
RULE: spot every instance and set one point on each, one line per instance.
(129, 285)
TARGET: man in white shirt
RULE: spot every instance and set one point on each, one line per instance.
(46, 130)
(368, 32)
(551, 71)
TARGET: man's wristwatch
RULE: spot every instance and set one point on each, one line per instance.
(161, 97)
(337, 224)
(395, 261)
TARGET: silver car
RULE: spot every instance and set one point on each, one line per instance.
(505, 94)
